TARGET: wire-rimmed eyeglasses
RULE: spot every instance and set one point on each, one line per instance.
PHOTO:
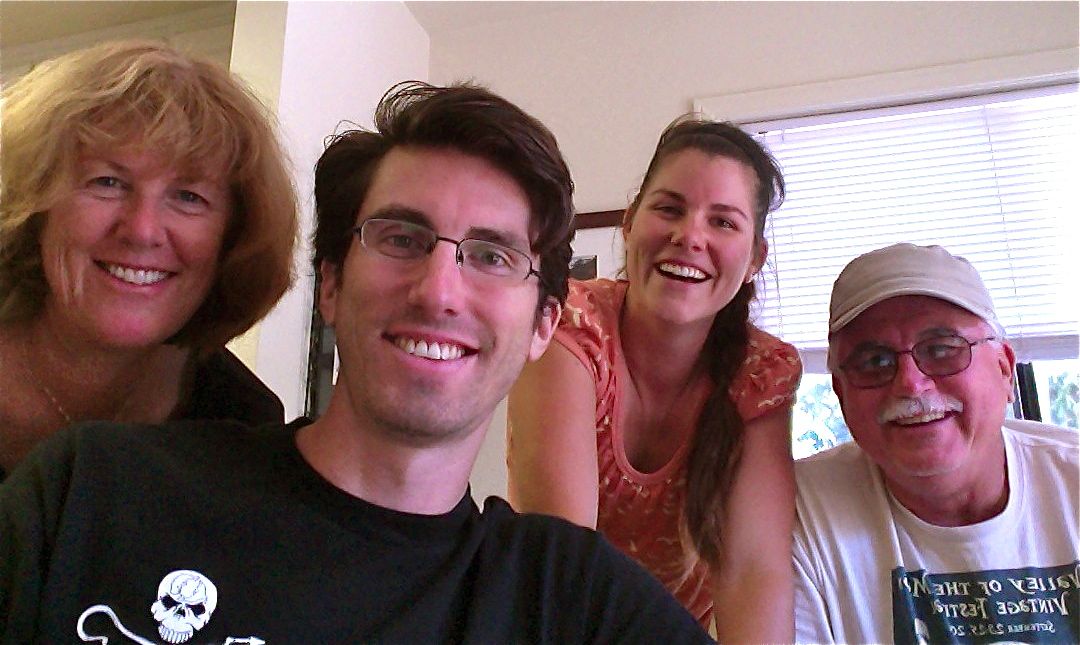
(871, 365)
(403, 240)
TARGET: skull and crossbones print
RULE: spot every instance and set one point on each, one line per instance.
(184, 603)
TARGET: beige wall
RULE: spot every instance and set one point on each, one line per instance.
(320, 64)
(206, 31)
(607, 77)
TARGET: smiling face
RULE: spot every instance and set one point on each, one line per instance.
(131, 251)
(428, 349)
(936, 442)
(690, 244)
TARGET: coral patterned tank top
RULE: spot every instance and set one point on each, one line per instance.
(639, 512)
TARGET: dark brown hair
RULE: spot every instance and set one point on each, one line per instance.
(716, 446)
(462, 117)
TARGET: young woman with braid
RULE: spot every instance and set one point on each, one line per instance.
(662, 416)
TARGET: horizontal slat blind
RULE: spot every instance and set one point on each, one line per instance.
(989, 178)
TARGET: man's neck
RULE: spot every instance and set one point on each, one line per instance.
(369, 463)
(945, 500)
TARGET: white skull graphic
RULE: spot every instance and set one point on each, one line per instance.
(185, 600)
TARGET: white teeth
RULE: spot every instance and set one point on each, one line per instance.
(136, 276)
(682, 271)
(434, 351)
(925, 418)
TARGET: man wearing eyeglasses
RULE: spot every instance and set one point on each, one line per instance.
(443, 244)
(942, 522)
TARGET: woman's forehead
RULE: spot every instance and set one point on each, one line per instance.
(131, 154)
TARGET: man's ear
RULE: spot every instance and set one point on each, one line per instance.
(1007, 363)
(761, 251)
(838, 391)
(329, 277)
(546, 323)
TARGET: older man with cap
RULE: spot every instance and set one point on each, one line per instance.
(942, 522)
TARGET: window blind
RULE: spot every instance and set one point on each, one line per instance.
(991, 178)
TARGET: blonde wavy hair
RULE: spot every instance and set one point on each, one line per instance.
(193, 113)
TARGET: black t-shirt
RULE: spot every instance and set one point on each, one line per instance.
(226, 389)
(204, 531)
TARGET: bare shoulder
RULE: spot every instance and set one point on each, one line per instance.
(551, 447)
(552, 390)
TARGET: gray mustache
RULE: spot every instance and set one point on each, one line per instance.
(918, 406)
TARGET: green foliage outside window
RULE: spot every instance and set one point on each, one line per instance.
(1064, 399)
(818, 422)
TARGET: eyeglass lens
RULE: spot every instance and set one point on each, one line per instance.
(408, 241)
(876, 365)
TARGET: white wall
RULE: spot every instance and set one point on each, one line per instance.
(326, 62)
(607, 77)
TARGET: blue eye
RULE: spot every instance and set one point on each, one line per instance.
(190, 197)
(105, 186)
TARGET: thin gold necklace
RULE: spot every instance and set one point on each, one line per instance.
(42, 387)
(68, 419)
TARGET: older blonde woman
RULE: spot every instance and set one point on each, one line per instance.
(147, 218)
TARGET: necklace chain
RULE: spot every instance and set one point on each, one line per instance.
(42, 387)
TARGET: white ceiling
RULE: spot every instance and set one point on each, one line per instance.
(439, 17)
(30, 21)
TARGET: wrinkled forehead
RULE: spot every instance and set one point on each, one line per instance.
(452, 192)
(149, 157)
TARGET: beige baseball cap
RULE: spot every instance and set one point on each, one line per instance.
(908, 270)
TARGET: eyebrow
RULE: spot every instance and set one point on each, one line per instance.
(499, 237)
(869, 344)
(718, 207)
(99, 159)
(404, 213)
(933, 332)
(116, 166)
(181, 176)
